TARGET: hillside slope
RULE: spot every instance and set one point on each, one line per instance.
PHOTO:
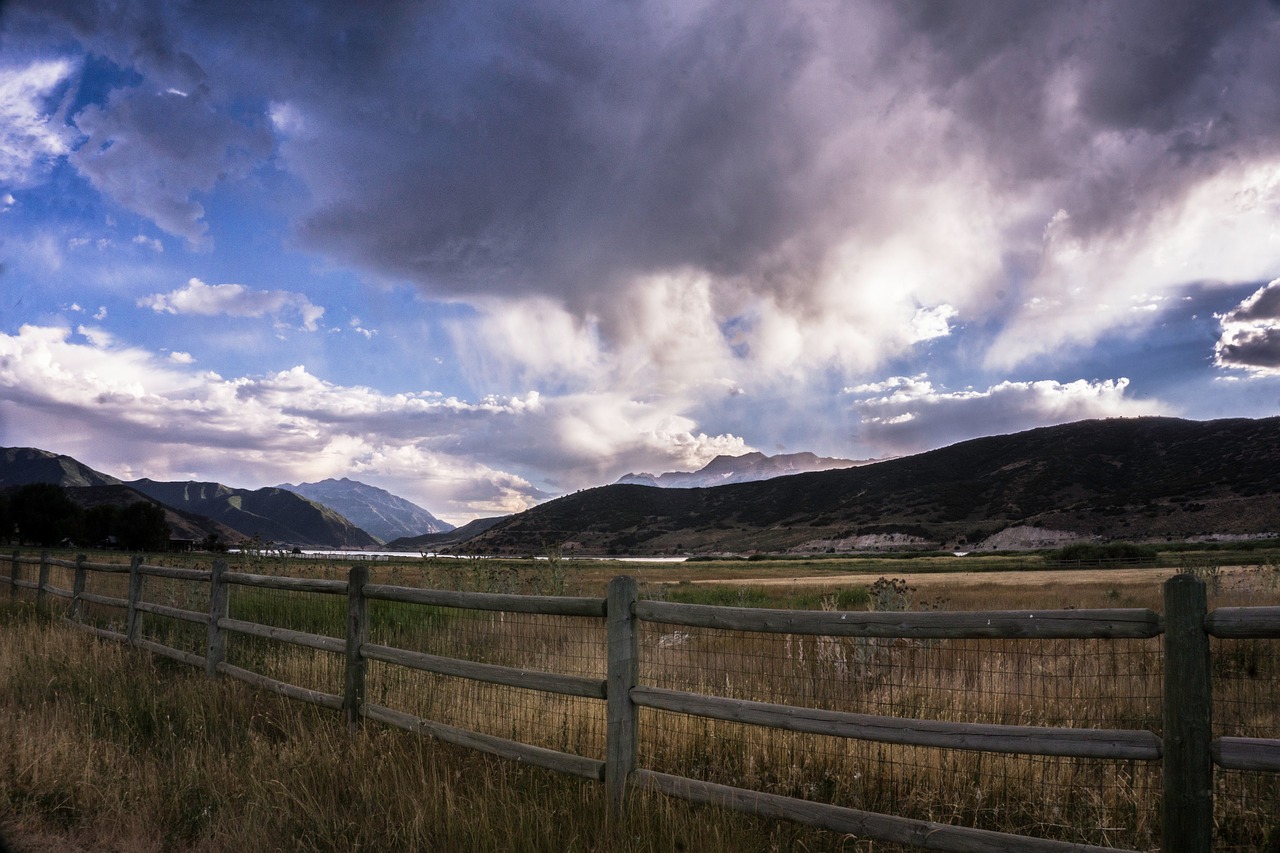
(446, 539)
(182, 524)
(1141, 478)
(272, 515)
(22, 466)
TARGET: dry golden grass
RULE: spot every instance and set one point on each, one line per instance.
(117, 750)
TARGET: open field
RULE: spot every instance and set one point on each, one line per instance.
(114, 749)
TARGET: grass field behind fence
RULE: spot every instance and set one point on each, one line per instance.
(132, 715)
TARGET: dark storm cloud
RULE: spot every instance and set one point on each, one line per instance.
(564, 149)
(1263, 305)
(1251, 349)
(1184, 85)
(1251, 333)
(555, 150)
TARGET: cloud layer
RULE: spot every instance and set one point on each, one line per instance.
(851, 165)
(638, 234)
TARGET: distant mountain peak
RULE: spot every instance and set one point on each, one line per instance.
(376, 511)
(746, 468)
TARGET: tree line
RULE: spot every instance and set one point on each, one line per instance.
(43, 514)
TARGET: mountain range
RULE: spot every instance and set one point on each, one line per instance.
(270, 515)
(1136, 479)
(196, 510)
(747, 468)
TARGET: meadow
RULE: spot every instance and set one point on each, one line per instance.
(112, 748)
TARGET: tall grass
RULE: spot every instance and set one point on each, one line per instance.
(118, 749)
(107, 748)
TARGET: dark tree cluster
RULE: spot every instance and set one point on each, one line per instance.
(42, 514)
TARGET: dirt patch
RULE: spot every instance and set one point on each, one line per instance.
(1024, 538)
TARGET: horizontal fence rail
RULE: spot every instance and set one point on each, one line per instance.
(1021, 740)
(926, 835)
(1186, 753)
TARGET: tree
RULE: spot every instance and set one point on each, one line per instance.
(6, 519)
(213, 542)
(142, 527)
(45, 515)
(101, 523)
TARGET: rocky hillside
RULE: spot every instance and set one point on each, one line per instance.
(1134, 479)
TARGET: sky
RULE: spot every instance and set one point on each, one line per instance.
(483, 254)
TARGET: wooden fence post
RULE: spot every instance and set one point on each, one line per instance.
(357, 636)
(216, 647)
(1187, 822)
(42, 589)
(76, 611)
(15, 574)
(623, 672)
(133, 626)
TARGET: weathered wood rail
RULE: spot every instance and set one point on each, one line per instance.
(1188, 753)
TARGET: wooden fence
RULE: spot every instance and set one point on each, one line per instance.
(1187, 753)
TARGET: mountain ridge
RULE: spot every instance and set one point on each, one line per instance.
(269, 514)
(745, 468)
(1134, 478)
(1139, 479)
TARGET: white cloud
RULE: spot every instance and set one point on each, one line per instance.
(930, 323)
(468, 458)
(896, 389)
(357, 326)
(909, 414)
(152, 243)
(233, 300)
(30, 138)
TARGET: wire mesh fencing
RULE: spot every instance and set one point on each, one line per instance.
(1105, 684)
(566, 645)
(1246, 703)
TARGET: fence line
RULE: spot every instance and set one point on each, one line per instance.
(1187, 752)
